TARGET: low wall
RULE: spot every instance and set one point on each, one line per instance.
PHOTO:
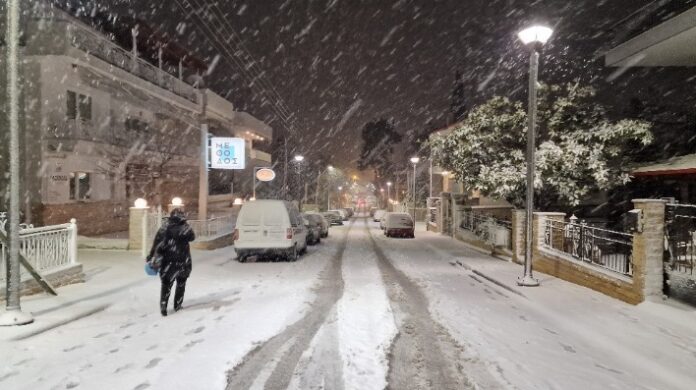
(622, 288)
(215, 243)
(92, 217)
(62, 277)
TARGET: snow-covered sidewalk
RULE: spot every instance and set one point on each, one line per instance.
(122, 342)
(557, 336)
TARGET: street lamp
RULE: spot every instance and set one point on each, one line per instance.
(414, 161)
(389, 184)
(534, 38)
(299, 158)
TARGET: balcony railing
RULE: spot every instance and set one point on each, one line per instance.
(648, 17)
(92, 43)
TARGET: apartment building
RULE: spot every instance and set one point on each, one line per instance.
(104, 126)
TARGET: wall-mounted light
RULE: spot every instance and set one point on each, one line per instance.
(177, 202)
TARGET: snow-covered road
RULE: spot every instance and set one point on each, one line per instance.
(360, 311)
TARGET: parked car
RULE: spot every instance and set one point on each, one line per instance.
(321, 220)
(378, 215)
(383, 220)
(372, 211)
(399, 225)
(313, 230)
(333, 218)
(269, 227)
(350, 211)
(342, 213)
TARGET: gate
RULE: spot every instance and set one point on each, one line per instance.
(680, 251)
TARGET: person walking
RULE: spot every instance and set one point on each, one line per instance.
(172, 244)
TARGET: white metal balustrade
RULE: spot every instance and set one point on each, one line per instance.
(47, 249)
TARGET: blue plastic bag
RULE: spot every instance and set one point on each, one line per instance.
(149, 270)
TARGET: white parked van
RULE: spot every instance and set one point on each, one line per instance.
(269, 227)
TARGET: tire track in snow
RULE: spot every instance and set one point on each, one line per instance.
(423, 355)
(285, 349)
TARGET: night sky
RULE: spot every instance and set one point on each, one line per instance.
(340, 63)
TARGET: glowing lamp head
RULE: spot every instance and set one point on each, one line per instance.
(389, 184)
(340, 188)
(299, 158)
(140, 203)
(177, 202)
(535, 35)
(330, 168)
(444, 173)
(415, 160)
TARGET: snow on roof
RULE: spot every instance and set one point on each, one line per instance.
(679, 165)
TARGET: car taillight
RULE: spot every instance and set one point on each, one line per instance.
(288, 234)
(235, 235)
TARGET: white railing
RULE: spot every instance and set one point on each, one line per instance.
(212, 227)
(489, 229)
(46, 248)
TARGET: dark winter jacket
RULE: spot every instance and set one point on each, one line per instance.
(174, 248)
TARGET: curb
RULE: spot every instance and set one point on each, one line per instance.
(75, 317)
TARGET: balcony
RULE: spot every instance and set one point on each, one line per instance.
(259, 155)
(91, 42)
(656, 35)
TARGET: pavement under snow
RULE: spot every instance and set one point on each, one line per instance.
(359, 311)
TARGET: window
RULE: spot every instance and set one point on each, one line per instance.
(72, 104)
(79, 106)
(80, 186)
(85, 107)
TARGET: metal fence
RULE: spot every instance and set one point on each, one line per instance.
(608, 249)
(492, 230)
(680, 237)
(45, 248)
(203, 229)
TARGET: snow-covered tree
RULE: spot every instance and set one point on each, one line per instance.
(579, 149)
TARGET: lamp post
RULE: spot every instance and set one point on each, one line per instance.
(13, 314)
(389, 184)
(533, 37)
(414, 161)
(340, 188)
(316, 193)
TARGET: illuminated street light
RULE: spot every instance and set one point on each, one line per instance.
(414, 161)
(299, 158)
(534, 38)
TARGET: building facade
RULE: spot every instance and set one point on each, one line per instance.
(103, 126)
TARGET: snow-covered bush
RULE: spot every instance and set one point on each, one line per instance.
(579, 149)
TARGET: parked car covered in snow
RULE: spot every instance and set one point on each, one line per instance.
(378, 215)
(399, 225)
(341, 212)
(270, 227)
(334, 218)
(321, 220)
(313, 230)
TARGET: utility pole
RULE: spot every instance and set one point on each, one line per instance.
(13, 314)
(285, 167)
(203, 167)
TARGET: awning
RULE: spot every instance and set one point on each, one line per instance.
(681, 165)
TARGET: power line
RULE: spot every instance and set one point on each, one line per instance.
(254, 81)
